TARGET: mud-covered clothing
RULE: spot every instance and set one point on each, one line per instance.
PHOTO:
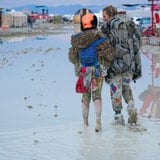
(120, 86)
(124, 35)
(127, 65)
(106, 54)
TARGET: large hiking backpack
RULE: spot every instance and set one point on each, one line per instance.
(88, 56)
(126, 34)
(128, 43)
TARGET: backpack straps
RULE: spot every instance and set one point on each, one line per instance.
(98, 41)
(93, 46)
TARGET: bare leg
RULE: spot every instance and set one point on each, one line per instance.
(85, 113)
(98, 111)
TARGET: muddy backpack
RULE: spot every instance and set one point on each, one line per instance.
(128, 43)
(126, 34)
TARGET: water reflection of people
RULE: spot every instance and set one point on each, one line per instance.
(151, 104)
(156, 65)
(93, 147)
(151, 96)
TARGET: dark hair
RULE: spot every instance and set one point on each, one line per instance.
(92, 23)
(110, 10)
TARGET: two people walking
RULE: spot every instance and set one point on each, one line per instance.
(108, 63)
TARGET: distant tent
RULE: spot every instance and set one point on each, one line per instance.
(14, 19)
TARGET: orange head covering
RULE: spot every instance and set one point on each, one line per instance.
(87, 20)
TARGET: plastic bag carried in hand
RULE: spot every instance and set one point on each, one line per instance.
(80, 88)
(83, 84)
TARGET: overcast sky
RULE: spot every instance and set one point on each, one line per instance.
(16, 3)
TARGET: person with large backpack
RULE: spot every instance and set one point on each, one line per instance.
(91, 55)
(125, 37)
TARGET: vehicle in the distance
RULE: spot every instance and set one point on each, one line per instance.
(136, 20)
(144, 23)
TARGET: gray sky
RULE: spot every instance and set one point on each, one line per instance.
(16, 3)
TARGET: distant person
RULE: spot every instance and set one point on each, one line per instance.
(91, 55)
(30, 21)
(126, 39)
(157, 18)
(157, 25)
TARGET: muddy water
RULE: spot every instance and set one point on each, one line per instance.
(40, 116)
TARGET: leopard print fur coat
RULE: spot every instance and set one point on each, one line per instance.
(106, 53)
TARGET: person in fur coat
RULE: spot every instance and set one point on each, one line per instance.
(106, 54)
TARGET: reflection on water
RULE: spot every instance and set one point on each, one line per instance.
(13, 39)
(109, 144)
(151, 102)
(22, 38)
(93, 147)
(41, 37)
(151, 96)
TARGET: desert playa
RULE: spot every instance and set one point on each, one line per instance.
(40, 117)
